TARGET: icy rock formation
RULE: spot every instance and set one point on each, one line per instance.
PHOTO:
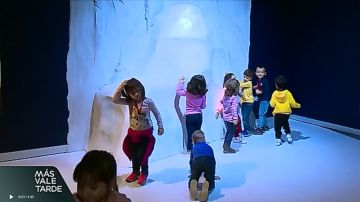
(156, 42)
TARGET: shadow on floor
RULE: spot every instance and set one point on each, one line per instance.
(233, 179)
(297, 135)
(171, 175)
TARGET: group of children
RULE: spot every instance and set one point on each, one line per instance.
(238, 96)
(249, 92)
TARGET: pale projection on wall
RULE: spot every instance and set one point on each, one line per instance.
(156, 42)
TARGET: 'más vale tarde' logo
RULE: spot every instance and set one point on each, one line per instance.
(45, 181)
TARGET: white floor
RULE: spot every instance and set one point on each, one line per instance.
(321, 165)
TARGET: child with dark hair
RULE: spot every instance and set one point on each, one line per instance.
(96, 178)
(195, 94)
(227, 77)
(263, 93)
(202, 160)
(282, 101)
(219, 109)
(230, 103)
(246, 100)
(139, 141)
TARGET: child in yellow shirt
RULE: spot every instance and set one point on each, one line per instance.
(282, 101)
(246, 100)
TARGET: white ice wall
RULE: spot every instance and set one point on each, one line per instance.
(112, 41)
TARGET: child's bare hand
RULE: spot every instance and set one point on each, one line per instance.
(121, 86)
(235, 122)
(182, 79)
(160, 131)
(258, 91)
(123, 83)
(217, 114)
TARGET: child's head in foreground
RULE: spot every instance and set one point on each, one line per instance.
(95, 175)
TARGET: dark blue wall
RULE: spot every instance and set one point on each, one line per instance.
(316, 45)
(34, 46)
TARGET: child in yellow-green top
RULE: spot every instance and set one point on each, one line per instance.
(246, 100)
(282, 101)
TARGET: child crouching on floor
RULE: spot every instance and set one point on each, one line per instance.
(202, 160)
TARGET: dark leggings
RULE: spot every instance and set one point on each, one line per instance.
(206, 165)
(138, 155)
(281, 121)
(193, 123)
(230, 132)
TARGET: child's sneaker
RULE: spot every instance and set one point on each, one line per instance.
(258, 131)
(142, 179)
(204, 193)
(265, 128)
(229, 150)
(132, 177)
(278, 142)
(237, 139)
(246, 133)
(243, 141)
(193, 190)
(289, 138)
(186, 152)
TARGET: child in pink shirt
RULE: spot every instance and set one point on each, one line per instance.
(195, 94)
(230, 103)
(237, 138)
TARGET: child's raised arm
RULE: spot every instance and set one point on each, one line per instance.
(180, 89)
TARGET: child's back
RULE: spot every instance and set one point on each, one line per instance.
(202, 160)
(195, 94)
(282, 101)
